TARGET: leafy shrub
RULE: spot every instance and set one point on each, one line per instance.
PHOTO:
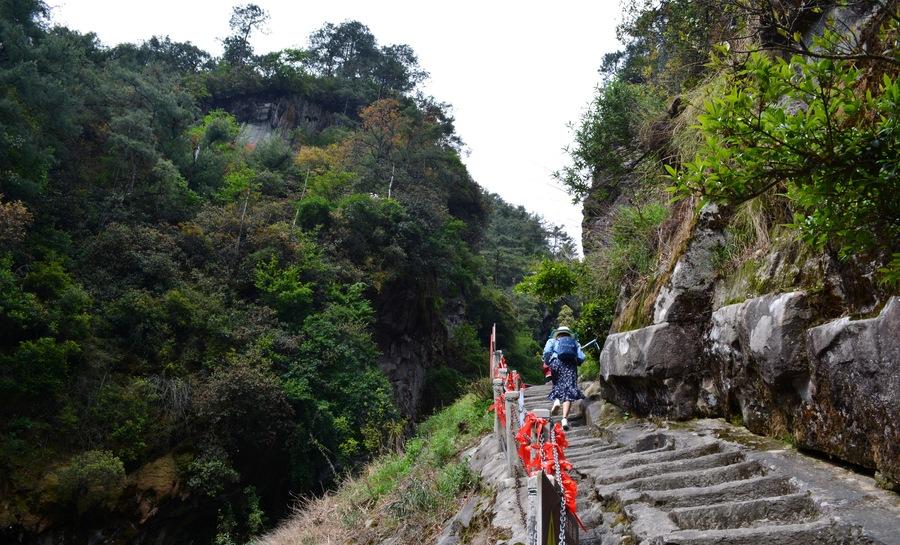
(596, 317)
(244, 409)
(124, 416)
(95, 478)
(313, 212)
(283, 290)
(807, 124)
(217, 127)
(270, 183)
(606, 134)
(273, 154)
(211, 473)
(552, 281)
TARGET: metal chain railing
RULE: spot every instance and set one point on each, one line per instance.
(517, 471)
(563, 510)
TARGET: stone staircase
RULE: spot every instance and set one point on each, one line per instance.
(706, 482)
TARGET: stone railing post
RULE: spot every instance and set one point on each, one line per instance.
(512, 426)
(498, 389)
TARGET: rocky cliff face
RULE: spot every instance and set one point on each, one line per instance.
(783, 362)
(264, 116)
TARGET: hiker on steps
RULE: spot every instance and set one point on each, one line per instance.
(564, 355)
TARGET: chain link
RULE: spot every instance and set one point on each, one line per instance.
(519, 497)
(563, 512)
(517, 470)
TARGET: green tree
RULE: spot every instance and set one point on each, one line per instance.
(806, 125)
(244, 20)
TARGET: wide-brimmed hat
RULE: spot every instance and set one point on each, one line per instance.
(562, 329)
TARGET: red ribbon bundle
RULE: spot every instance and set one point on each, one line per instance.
(512, 381)
(534, 459)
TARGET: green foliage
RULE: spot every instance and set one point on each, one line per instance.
(566, 316)
(283, 290)
(514, 239)
(314, 211)
(92, 479)
(441, 437)
(890, 274)
(464, 350)
(123, 416)
(551, 281)
(211, 473)
(349, 50)
(634, 232)
(628, 260)
(608, 134)
(667, 43)
(590, 369)
(805, 124)
(244, 409)
(217, 128)
(239, 184)
(167, 288)
(524, 355)
(596, 316)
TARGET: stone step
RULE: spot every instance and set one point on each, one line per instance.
(793, 508)
(587, 452)
(704, 477)
(719, 459)
(580, 448)
(627, 458)
(819, 532)
(643, 458)
(579, 432)
(611, 457)
(753, 488)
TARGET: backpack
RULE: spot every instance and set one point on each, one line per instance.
(567, 350)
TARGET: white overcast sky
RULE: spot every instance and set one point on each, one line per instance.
(516, 73)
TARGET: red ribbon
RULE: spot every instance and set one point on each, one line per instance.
(512, 381)
(544, 459)
(499, 406)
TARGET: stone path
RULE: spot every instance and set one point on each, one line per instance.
(707, 482)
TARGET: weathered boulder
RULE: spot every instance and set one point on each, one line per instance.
(772, 333)
(687, 294)
(653, 370)
(755, 352)
(852, 410)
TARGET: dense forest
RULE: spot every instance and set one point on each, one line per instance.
(197, 322)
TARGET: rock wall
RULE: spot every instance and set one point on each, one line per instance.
(833, 388)
(852, 407)
(262, 117)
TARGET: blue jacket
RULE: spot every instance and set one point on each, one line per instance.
(550, 352)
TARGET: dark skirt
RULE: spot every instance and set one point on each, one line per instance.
(565, 387)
